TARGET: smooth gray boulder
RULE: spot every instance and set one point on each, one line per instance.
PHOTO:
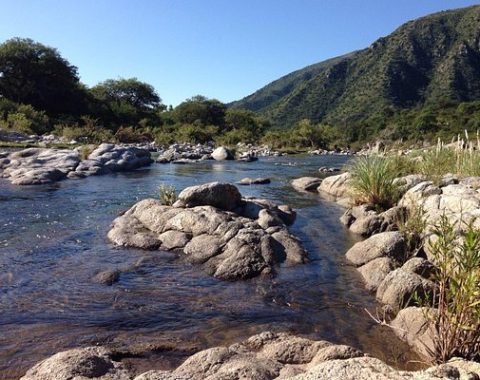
(337, 187)
(375, 271)
(306, 183)
(414, 325)
(82, 363)
(224, 196)
(222, 154)
(386, 244)
(400, 289)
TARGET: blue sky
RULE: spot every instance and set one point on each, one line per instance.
(223, 49)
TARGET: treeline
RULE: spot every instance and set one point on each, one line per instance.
(40, 92)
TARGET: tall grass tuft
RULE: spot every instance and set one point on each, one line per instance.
(167, 194)
(373, 181)
(461, 158)
(458, 300)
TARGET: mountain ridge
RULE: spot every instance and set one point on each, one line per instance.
(430, 60)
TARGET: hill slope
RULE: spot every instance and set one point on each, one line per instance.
(430, 60)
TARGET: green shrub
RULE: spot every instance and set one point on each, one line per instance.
(167, 194)
(373, 181)
(457, 322)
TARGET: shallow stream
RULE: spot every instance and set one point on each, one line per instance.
(53, 242)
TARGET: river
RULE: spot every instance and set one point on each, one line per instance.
(53, 242)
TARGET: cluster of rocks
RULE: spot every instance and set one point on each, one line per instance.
(324, 152)
(265, 356)
(19, 137)
(334, 187)
(384, 259)
(36, 166)
(213, 226)
(257, 151)
(187, 153)
(184, 153)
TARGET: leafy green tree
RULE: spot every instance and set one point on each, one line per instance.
(201, 111)
(121, 102)
(35, 74)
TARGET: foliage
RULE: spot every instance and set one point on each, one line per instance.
(87, 130)
(24, 118)
(372, 181)
(126, 102)
(167, 194)
(463, 159)
(413, 227)
(35, 74)
(458, 300)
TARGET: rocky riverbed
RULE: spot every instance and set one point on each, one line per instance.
(39, 166)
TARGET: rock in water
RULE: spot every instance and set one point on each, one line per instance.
(229, 245)
(306, 183)
(224, 196)
(222, 154)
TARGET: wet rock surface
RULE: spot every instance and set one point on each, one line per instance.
(306, 183)
(37, 166)
(229, 236)
(264, 356)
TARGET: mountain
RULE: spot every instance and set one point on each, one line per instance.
(432, 60)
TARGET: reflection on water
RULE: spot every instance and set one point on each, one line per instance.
(53, 241)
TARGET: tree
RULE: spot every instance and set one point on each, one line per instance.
(200, 111)
(35, 74)
(126, 101)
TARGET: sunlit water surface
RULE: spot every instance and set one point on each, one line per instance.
(53, 242)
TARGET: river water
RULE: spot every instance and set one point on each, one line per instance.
(53, 242)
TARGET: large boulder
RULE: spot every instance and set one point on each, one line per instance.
(224, 196)
(375, 271)
(228, 245)
(306, 183)
(222, 154)
(337, 186)
(83, 363)
(386, 244)
(415, 326)
(401, 288)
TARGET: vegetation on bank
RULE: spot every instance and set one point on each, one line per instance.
(454, 249)
(41, 93)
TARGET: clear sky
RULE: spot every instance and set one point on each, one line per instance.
(224, 49)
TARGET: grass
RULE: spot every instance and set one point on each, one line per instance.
(458, 300)
(167, 194)
(373, 181)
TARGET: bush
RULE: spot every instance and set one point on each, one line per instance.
(167, 194)
(458, 300)
(373, 181)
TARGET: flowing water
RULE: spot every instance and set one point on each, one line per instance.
(53, 242)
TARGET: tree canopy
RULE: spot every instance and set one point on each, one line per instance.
(35, 74)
